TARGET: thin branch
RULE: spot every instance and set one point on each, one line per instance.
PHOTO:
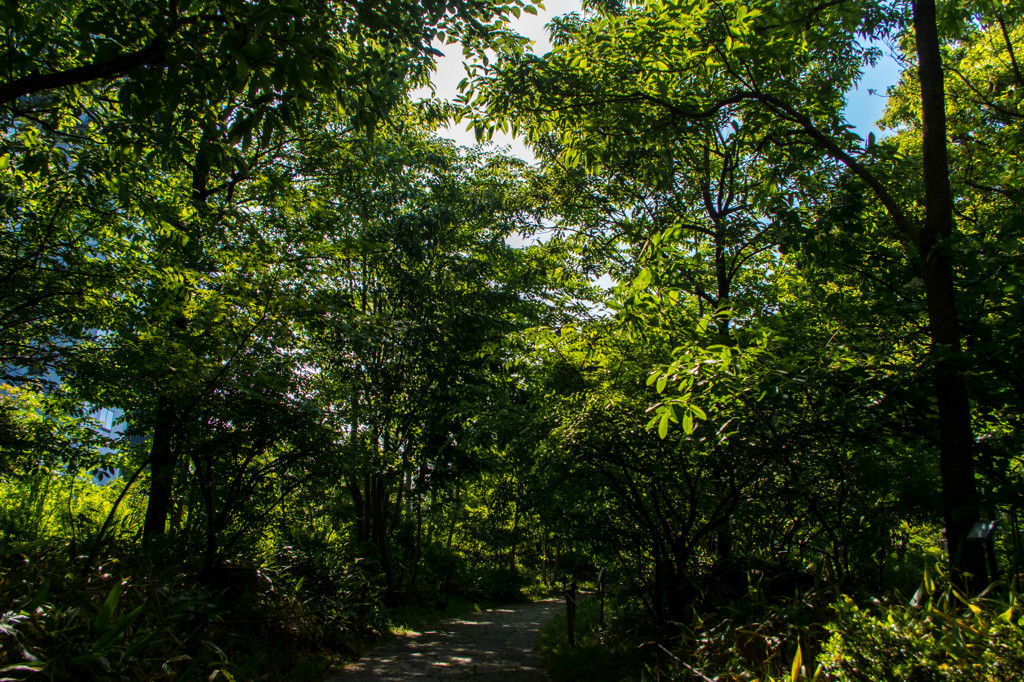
(1009, 49)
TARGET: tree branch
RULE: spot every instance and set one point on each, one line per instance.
(118, 66)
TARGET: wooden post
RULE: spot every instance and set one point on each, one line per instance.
(600, 592)
(570, 613)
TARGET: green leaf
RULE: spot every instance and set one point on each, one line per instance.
(929, 583)
(663, 425)
(119, 627)
(139, 646)
(22, 668)
(107, 610)
(798, 661)
(39, 597)
(662, 382)
(643, 280)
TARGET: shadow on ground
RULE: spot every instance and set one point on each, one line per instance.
(497, 644)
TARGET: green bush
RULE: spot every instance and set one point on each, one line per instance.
(97, 624)
(913, 544)
(503, 584)
(613, 651)
(443, 568)
(122, 620)
(937, 636)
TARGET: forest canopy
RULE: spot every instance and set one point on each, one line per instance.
(277, 355)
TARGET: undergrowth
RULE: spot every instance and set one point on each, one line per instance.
(64, 620)
(133, 619)
(816, 634)
(613, 651)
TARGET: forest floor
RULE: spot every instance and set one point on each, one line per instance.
(497, 644)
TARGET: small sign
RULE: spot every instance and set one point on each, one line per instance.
(982, 530)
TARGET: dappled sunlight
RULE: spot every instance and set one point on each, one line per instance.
(716, 316)
(495, 643)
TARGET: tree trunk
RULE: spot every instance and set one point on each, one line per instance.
(418, 548)
(162, 463)
(959, 495)
(455, 517)
(379, 529)
(515, 532)
(163, 458)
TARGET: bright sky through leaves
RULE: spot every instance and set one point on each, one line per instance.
(450, 70)
(866, 103)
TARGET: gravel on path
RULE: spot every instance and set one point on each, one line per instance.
(497, 644)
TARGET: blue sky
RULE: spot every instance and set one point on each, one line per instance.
(863, 108)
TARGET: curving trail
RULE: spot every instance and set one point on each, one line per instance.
(498, 644)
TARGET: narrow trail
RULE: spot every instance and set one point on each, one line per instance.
(497, 644)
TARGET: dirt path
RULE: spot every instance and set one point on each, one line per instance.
(498, 644)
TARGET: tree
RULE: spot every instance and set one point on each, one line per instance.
(979, 47)
(782, 72)
(158, 117)
(408, 318)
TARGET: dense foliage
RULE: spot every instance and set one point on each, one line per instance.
(274, 359)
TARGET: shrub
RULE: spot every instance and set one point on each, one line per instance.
(503, 584)
(129, 621)
(937, 636)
